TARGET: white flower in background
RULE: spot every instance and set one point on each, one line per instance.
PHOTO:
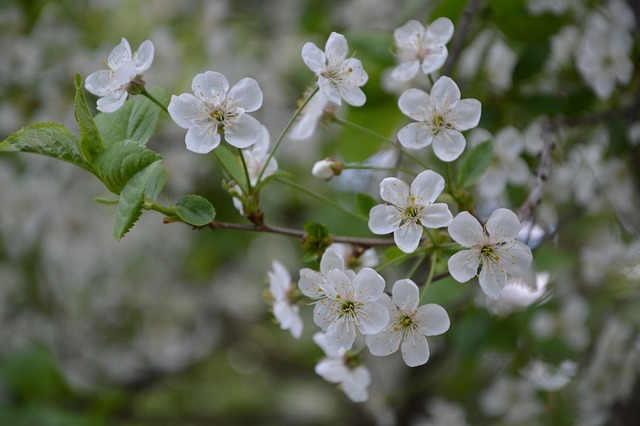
(339, 77)
(327, 168)
(493, 250)
(421, 48)
(444, 413)
(514, 400)
(339, 368)
(287, 313)
(214, 106)
(310, 115)
(488, 57)
(518, 293)
(125, 68)
(355, 257)
(568, 323)
(350, 307)
(538, 7)
(440, 116)
(548, 377)
(409, 324)
(409, 209)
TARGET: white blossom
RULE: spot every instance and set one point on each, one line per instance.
(310, 115)
(327, 168)
(493, 250)
(213, 107)
(125, 66)
(409, 209)
(440, 117)
(287, 313)
(408, 325)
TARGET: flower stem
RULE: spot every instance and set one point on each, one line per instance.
(246, 172)
(152, 205)
(154, 100)
(432, 271)
(323, 199)
(416, 265)
(376, 135)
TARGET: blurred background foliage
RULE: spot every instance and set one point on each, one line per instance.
(169, 326)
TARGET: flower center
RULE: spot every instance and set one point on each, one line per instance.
(406, 321)
(218, 115)
(487, 251)
(348, 308)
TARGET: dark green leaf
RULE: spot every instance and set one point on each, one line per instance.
(531, 60)
(90, 141)
(119, 162)
(132, 200)
(195, 210)
(48, 139)
(516, 22)
(364, 203)
(156, 183)
(316, 241)
(475, 164)
(232, 165)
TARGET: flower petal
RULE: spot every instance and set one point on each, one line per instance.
(202, 139)
(186, 110)
(356, 383)
(436, 216)
(310, 283)
(368, 285)
(120, 54)
(463, 265)
(426, 187)
(323, 313)
(375, 319)
(144, 56)
(415, 350)
(448, 144)
(416, 135)
(445, 94)
(279, 280)
(337, 285)
(435, 59)
(406, 70)
(112, 102)
(100, 83)
(383, 219)
(352, 95)
(314, 58)
(244, 131)
(415, 104)
(331, 370)
(492, 279)
(442, 29)
(384, 343)
(336, 48)
(394, 191)
(466, 230)
(405, 295)
(503, 225)
(340, 334)
(517, 259)
(331, 259)
(432, 319)
(211, 87)
(466, 114)
(245, 94)
(407, 236)
(408, 34)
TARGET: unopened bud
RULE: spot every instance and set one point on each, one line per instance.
(327, 168)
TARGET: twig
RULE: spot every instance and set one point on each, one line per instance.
(460, 34)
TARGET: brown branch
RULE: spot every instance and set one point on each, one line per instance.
(463, 28)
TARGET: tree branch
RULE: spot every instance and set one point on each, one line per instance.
(458, 39)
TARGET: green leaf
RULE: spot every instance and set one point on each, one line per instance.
(90, 141)
(316, 241)
(233, 166)
(516, 22)
(135, 120)
(475, 164)
(48, 139)
(277, 174)
(364, 203)
(107, 199)
(195, 210)
(156, 183)
(119, 162)
(132, 200)
(531, 60)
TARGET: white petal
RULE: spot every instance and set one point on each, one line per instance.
(352, 95)
(314, 58)
(211, 87)
(406, 295)
(245, 94)
(186, 110)
(432, 319)
(319, 339)
(407, 236)
(323, 314)
(466, 230)
(384, 343)
(120, 54)
(202, 139)
(427, 186)
(355, 386)
(336, 47)
(330, 90)
(415, 350)
(144, 56)
(375, 319)
(383, 219)
(289, 318)
(332, 370)
(408, 34)
(492, 279)
(442, 28)
(331, 259)
(415, 103)
(517, 259)
(112, 102)
(466, 114)
(100, 83)
(436, 216)
(279, 280)
(337, 285)
(463, 265)
(509, 143)
(244, 131)
(503, 225)
(448, 144)
(435, 59)
(416, 135)
(340, 334)
(310, 283)
(406, 70)
(368, 285)
(124, 74)
(445, 94)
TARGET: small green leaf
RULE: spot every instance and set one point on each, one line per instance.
(364, 203)
(135, 120)
(107, 199)
(233, 166)
(119, 162)
(475, 164)
(48, 139)
(132, 200)
(156, 183)
(316, 241)
(195, 210)
(90, 141)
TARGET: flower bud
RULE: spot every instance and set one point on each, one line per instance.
(327, 168)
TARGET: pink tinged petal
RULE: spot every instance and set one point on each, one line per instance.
(406, 70)
(442, 28)
(384, 343)
(416, 135)
(374, 319)
(144, 56)
(432, 319)
(336, 47)
(492, 279)
(465, 115)
(355, 386)
(448, 144)
(340, 334)
(279, 281)
(466, 230)
(503, 225)
(314, 58)
(210, 87)
(368, 285)
(352, 95)
(245, 94)
(384, 219)
(427, 186)
(112, 102)
(464, 265)
(310, 283)
(415, 104)
(322, 314)
(435, 59)
(337, 285)
(100, 83)
(202, 139)
(244, 131)
(330, 90)
(331, 259)
(436, 216)
(407, 237)
(394, 191)
(409, 33)
(516, 260)
(445, 94)
(406, 295)
(415, 350)
(120, 54)
(186, 110)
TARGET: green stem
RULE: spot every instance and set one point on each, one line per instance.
(152, 205)
(285, 130)
(416, 265)
(390, 169)
(432, 271)
(376, 135)
(154, 100)
(323, 199)
(246, 172)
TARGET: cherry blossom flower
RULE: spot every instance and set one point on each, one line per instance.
(409, 209)
(312, 283)
(338, 367)
(286, 311)
(339, 77)
(125, 69)
(421, 48)
(214, 105)
(408, 325)
(493, 250)
(310, 115)
(440, 116)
